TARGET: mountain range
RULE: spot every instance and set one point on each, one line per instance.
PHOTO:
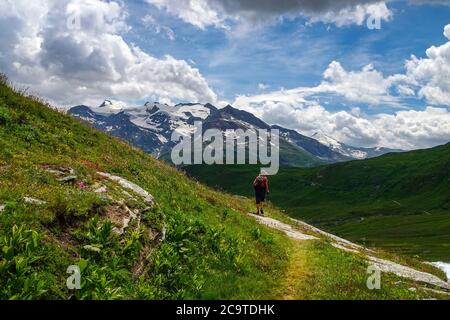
(150, 127)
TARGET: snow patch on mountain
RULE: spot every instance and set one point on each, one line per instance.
(339, 147)
(110, 107)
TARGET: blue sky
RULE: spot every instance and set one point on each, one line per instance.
(291, 53)
(310, 65)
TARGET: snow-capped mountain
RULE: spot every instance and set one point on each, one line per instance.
(150, 127)
(319, 149)
(349, 151)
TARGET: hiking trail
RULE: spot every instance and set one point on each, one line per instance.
(383, 265)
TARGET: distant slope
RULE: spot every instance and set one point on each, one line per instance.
(347, 151)
(313, 146)
(120, 125)
(397, 201)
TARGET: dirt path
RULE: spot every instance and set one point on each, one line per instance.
(287, 229)
(407, 272)
(298, 264)
(340, 243)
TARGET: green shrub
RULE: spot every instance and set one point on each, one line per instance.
(19, 276)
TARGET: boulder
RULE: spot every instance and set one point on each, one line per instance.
(148, 198)
(34, 201)
(68, 179)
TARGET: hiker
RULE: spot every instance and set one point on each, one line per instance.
(261, 186)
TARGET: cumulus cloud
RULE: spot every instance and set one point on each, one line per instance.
(365, 86)
(357, 14)
(73, 51)
(405, 90)
(405, 129)
(432, 74)
(204, 13)
(196, 12)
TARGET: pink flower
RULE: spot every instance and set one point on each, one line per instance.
(82, 185)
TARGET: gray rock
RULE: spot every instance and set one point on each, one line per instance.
(92, 248)
(55, 172)
(68, 179)
(148, 198)
(34, 201)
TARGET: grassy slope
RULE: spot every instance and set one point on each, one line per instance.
(212, 250)
(293, 156)
(399, 202)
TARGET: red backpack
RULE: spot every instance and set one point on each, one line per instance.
(259, 183)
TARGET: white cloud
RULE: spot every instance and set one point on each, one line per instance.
(355, 15)
(263, 86)
(218, 13)
(414, 129)
(71, 65)
(196, 12)
(406, 129)
(366, 86)
(432, 74)
(405, 90)
(150, 23)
